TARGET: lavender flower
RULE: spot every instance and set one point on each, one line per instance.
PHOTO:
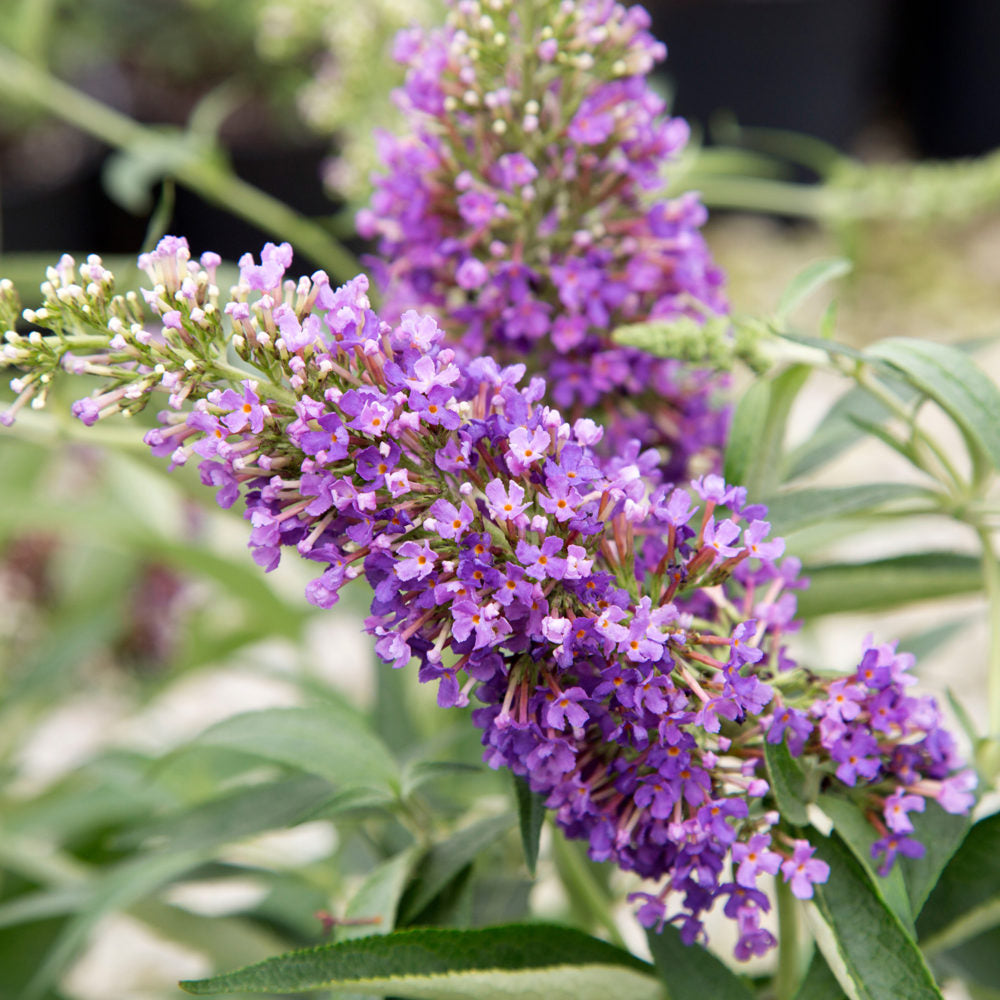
(624, 642)
(526, 207)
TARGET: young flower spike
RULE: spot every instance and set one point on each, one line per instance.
(525, 205)
(626, 653)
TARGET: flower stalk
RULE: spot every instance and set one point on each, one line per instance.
(202, 170)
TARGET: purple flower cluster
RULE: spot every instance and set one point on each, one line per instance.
(525, 206)
(869, 732)
(624, 642)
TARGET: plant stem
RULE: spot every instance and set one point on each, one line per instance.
(203, 173)
(786, 979)
(31, 28)
(991, 579)
(888, 400)
(758, 194)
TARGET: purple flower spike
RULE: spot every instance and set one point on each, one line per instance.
(619, 661)
(465, 201)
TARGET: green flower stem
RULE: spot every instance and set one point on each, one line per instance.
(931, 447)
(758, 194)
(32, 27)
(991, 579)
(203, 174)
(588, 899)
(788, 974)
(273, 390)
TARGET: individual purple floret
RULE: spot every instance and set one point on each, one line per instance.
(526, 207)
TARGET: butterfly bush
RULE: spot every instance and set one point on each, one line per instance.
(524, 205)
(623, 643)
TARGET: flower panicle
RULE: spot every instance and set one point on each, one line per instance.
(525, 205)
(625, 642)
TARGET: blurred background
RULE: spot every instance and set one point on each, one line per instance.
(285, 85)
(130, 615)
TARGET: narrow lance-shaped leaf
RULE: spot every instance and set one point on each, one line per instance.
(974, 962)
(418, 773)
(125, 884)
(691, 972)
(800, 508)
(445, 860)
(942, 834)
(966, 899)
(926, 642)
(787, 783)
(811, 278)
(867, 943)
(531, 961)
(888, 583)
(375, 903)
(327, 741)
(754, 453)
(955, 382)
(859, 835)
(837, 430)
(746, 430)
(531, 816)
(236, 814)
(819, 982)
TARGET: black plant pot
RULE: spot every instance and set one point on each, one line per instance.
(952, 75)
(821, 67)
(291, 173)
(66, 208)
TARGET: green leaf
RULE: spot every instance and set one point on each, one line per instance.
(964, 719)
(531, 816)
(787, 783)
(801, 508)
(111, 790)
(33, 906)
(531, 961)
(452, 906)
(130, 174)
(236, 814)
(838, 429)
(351, 800)
(754, 454)
(807, 281)
(955, 382)
(859, 835)
(819, 983)
(446, 859)
(942, 834)
(966, 899)
(867, 943)
(747, 428)
(888, 583)
(902, 446)
(974, 961)
(928, 641)
(418, 773)
(690, 972)
(69, 639)
(327, 741)
(378, 897)
(123, 885)
(830, 347)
